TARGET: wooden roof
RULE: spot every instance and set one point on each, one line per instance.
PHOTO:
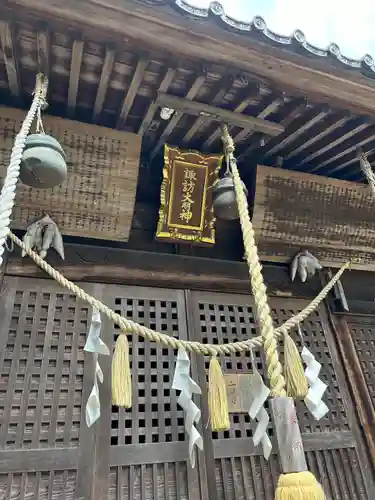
(97, 76)
(256, 30)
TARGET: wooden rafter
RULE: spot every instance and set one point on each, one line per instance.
(219, 114)
(354, 160)
(105, 76)
(194, 89)
(355, 145)
(333, 123)
(10, 59)
(188, 39)
(291, 111)
(359, 125)
(132, 91)
(270, 108)
(75, 71)
(312, 120)
(43, 44)
(215, 98)
(250, 92)
(167, 80)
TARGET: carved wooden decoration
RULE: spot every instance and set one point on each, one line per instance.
(97, 198)
(186, 211)
(333, 219)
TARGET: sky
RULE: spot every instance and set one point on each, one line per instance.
(349, 24)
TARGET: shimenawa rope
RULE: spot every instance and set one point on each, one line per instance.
(8, 191)
(128, 326)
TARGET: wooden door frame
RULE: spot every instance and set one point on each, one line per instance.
(356, 380)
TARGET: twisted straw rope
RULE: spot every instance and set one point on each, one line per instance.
(274, 368)
(128, 326)
(8, 191)
(367, 170)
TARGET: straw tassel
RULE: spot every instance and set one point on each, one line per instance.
(299, 486)
(294, 373)
(217, 397)
(121, 376)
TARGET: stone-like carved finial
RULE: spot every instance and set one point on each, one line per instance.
(42, 235)
(306, 264)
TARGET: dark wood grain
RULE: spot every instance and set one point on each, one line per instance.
(187, 38)
(355, 372)
(133, 267)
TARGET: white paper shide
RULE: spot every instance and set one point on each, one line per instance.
(184, 383)
(96, 346)
(317, 387)
(259, 394)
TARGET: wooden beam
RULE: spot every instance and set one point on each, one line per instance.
(105, 76)
(249, 94)
(75, 72)
(10, 59)
(43, 45)
(357, 126)
(137, 267)
(132, 91)
(218, 114)
(215, 97)
(167, 80)
(194, 89)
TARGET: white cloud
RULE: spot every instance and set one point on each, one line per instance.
(349, 24)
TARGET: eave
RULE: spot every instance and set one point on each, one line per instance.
(196, 37)
(98, 77)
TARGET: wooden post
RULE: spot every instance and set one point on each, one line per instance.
(288, 435)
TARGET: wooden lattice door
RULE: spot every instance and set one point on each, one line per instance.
(334, 448)
(356, 338)
(362, 333)
(149, 448)
(46, 449)
(44, 381)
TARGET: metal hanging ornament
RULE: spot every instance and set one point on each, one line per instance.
(224, 196)
(43, 162)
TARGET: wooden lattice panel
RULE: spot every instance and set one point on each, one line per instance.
(155, 416)
(333, 219)
(333, 450)
(39, 485)
(315, 339)
(149, 440)
(97, 199)
(43, 331)
(150, 482)
(363, 336)
(252, 477)
(225, 322)
(249, 477)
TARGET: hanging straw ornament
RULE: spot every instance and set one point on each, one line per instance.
(217, 397)
(121, 375)
(296, 483)
(295, 379)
